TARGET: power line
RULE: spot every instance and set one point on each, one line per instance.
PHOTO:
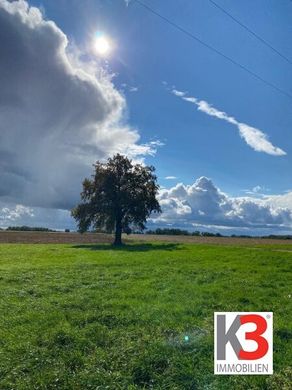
(250, 31)
(191, 35)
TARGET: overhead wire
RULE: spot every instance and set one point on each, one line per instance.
(212, 48)
(250, 31)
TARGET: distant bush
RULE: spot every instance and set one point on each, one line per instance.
(167, 231)
(29, 229)
(208, 234)
(67, 230)
(281, 237)
(242, 236)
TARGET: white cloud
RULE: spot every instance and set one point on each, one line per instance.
(284, 200)
(255, 138)
(129, 88)
(202, 203)
(19, 215)
(176, 92)
(258, 140)
(15, 213)
(170, 177)
(200, 206)
(257, 191)
(58, 114)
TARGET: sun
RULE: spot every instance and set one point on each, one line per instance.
(102, 45)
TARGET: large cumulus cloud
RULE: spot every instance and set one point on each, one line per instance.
(56, 115)
(200, 206)
(202, 203)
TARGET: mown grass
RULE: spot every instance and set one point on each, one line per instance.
(93, 317)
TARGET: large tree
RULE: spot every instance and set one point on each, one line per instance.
(119, 197)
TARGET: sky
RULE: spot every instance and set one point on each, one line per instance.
(218, 136)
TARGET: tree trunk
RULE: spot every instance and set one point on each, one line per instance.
(118, 233)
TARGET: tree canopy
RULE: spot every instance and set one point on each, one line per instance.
(119, 197)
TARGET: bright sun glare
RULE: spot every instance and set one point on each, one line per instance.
(102, 46)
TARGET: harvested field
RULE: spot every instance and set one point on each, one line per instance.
(100, 238)
(53, 238)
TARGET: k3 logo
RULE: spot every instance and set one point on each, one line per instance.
(243, 343)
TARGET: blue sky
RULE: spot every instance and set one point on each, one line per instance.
(150, 59)
(149, 51)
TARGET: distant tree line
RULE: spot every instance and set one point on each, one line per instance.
(29, 229)
(158, 231)
(182, 232)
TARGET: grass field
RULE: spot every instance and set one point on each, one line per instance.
(92, 317)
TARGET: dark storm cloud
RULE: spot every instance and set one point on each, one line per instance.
(56, 116)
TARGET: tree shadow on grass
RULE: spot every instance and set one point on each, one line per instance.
(130, 247)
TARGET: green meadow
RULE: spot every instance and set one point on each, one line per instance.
(138, 317)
